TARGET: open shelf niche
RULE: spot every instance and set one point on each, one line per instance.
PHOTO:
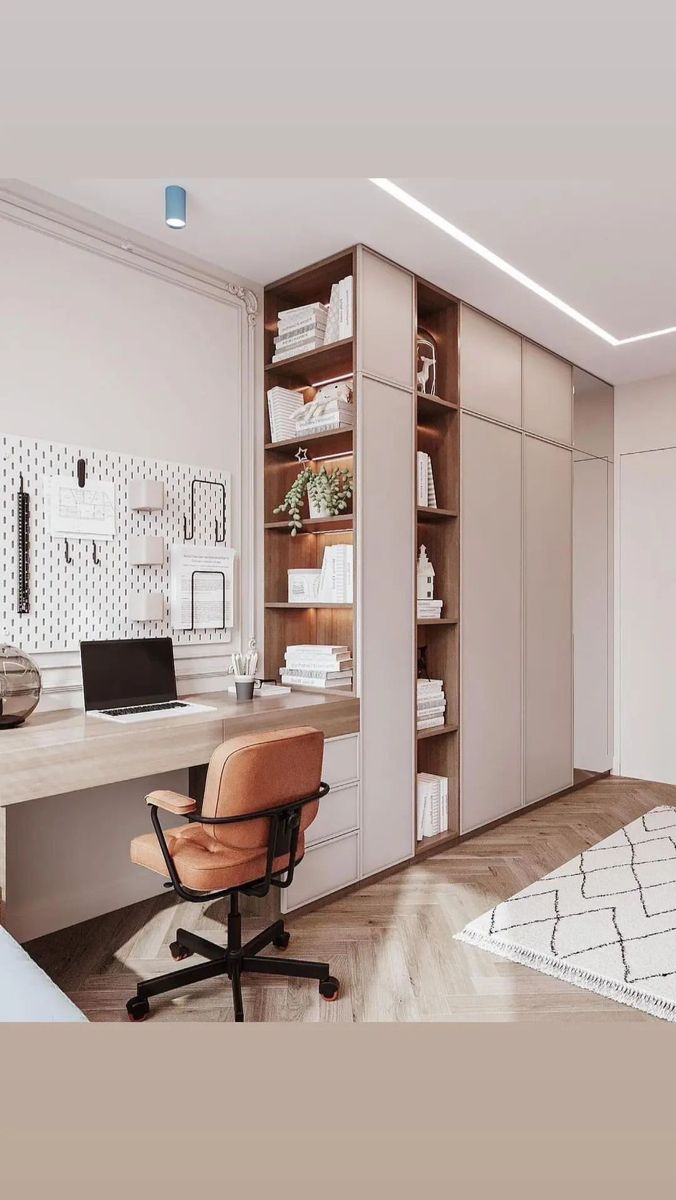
(288, 624)
(438, 434)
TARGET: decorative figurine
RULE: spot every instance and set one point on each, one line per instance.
(426, 362)
(425, 585)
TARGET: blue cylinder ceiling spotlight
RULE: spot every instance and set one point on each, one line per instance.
(174, 206)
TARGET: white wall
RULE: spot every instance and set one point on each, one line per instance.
(645, 529)
(131, 351)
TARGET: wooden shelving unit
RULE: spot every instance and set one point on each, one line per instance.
(381, 294)
(286, 623)
(438, 529)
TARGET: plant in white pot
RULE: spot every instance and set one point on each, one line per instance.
(328, 493)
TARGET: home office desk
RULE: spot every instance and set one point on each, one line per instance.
(65, 751)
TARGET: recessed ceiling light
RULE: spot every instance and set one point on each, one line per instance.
(471, 243)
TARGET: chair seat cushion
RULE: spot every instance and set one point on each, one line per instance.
(203, 864)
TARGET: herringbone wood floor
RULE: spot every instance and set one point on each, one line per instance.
(391, 943)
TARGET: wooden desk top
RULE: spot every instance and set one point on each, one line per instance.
(65, 751)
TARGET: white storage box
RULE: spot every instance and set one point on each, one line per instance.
(303, 585)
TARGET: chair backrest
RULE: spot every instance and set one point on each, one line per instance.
(258, 771)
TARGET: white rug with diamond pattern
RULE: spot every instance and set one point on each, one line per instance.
(606, 921)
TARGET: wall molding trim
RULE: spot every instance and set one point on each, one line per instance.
(82, 234)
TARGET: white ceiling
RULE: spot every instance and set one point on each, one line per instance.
(606, 247)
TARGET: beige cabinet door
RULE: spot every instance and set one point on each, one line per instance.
(385, 307)
(490, 367)
(490, 622)
(547, 394)
(548, 618)
(386, 622)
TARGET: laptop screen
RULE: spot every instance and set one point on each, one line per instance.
(117, 674)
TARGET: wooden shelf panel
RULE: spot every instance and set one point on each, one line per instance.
(308, 369)
(436, 732)
(436, 514)
(431, 408)
(437, 621)
(336, 441)
(437, 842)
(342, 524)
(315, 604)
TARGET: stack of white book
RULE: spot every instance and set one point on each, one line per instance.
(432, 806)
(427, 496)
(335, 581)
(282, 404)
(317, 666)
(430, 703)
(429, 610)
(339, 322)
(324, 414)
(300, 330)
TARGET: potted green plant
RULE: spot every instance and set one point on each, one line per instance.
(328, 493)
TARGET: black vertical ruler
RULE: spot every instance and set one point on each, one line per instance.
(22, 546)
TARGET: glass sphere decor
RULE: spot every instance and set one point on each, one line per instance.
(19, 686)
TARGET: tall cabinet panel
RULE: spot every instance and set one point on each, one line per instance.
(492, 626)
(548, 618)
(386, 307)
(547, 394)
(490, 368)
(385, 574)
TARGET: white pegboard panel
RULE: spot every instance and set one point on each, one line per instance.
(80, 600)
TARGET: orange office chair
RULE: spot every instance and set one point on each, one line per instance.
(261, 793)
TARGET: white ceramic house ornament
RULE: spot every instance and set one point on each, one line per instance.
(425, 588)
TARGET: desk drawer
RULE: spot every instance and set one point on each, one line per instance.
(338, 813)
(326, 868)
(341, 759)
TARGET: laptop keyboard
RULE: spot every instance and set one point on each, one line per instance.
(144, 708)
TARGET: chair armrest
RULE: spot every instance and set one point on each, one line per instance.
(172, 802)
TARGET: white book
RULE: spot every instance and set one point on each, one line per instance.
(280, 355)
(282, 404)
(422, 488)
(309, 681)
(319, 648)
(297, 322)
(335, 663)
(303, 311)
(310, 673)
(422, 800)
(431, 493)
(431, 790)
(286, 340)
(444, 805)
(331, 334)
(345, 308)
(317, 664)
(333, 583)
(430, 723)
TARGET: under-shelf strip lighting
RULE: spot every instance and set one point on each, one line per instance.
(423, 210)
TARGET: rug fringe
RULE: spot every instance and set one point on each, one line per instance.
(624, 993)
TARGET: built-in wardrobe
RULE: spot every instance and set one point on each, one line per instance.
(522, 568)
(535, 573)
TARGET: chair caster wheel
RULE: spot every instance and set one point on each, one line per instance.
(138, 1008)
(282, 940)
(329, 988)
(179, 952)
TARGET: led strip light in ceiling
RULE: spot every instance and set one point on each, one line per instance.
(471, 243)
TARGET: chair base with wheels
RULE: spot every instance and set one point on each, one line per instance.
(269, 786)
(233, 960)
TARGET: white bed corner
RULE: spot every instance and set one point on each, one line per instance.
(26, 992)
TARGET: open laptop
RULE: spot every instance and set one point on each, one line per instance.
(132, 680)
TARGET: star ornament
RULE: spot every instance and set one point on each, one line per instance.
(301, 455)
